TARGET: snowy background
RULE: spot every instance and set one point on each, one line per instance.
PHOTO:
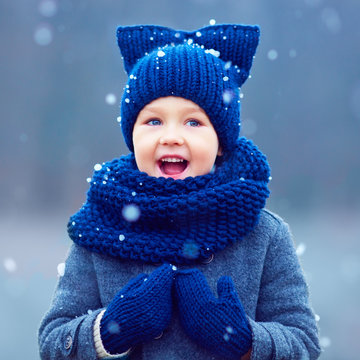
(61, 81)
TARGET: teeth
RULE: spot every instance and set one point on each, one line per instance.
(172, 160)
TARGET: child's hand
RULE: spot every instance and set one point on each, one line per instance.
(218, 324)
(139, 312)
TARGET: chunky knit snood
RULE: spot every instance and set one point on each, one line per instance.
(131, 215)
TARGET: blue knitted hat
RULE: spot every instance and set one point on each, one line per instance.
(206, 66)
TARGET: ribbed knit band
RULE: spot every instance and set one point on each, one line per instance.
(207, 66)
(99, 347)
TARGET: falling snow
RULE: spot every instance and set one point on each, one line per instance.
(113, 327)
(10, 265)
(48, 8)
(190, 250)
(325, 342)
(330, 17)
(131, 212)
(213, 52)
(226, 337)
(300, 250)
(272, 54)
(228, 96)
(227, 65)
(121, 237)
(43, 35)
(110, 99)
(61, 269)
(97, 167)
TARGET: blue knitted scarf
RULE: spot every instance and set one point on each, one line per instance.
(131, 215)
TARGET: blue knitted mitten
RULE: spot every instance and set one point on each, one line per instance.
(139, 312)
(218, 324)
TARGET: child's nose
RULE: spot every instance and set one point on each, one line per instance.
(171, 136)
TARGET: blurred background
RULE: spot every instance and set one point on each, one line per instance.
(61, 82)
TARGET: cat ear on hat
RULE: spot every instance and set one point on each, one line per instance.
(234, 44)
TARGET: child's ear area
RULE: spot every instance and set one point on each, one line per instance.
(220, 152)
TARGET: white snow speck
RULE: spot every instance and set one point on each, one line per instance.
(227, 65)
(133, 193)
(331, 19)
(10, 265)
(160, 53)
(300, 249)
(113, 327)
(177, 35)
(127, 100)
(325, 342)
(174, 268)
(151, 38)
(118, 119)
(61, 269)
(212, 22)
(121, 237)
(89, 311)
(198, 34)
(43, 35)
(317, 317)
(272, 54)
(48, 8)
(88, 180)
(229, 329)
(242, 179)
(226, 78)
(226, 337)
(97, 167)
(228, 95)
(213, 52)
(224, 37)
(190, 41)
(131, 212)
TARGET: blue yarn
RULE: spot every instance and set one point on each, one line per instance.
(180, 221)
(138, 312)
(218, 324)
(206, 66)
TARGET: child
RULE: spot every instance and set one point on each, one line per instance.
(174, 255)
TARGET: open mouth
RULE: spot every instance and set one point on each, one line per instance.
(172, 166)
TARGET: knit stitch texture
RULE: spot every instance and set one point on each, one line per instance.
(139, 312)
(206, 66)
(218, 324)
(177, 221)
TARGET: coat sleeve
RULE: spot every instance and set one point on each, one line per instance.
(284, 327)
(66, 331)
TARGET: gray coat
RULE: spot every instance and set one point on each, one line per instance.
(266, 274)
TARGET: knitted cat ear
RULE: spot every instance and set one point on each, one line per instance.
(234, 44)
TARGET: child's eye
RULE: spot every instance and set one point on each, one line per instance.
(193, 123)
(154, 122)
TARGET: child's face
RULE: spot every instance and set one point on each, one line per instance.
(173, 137)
